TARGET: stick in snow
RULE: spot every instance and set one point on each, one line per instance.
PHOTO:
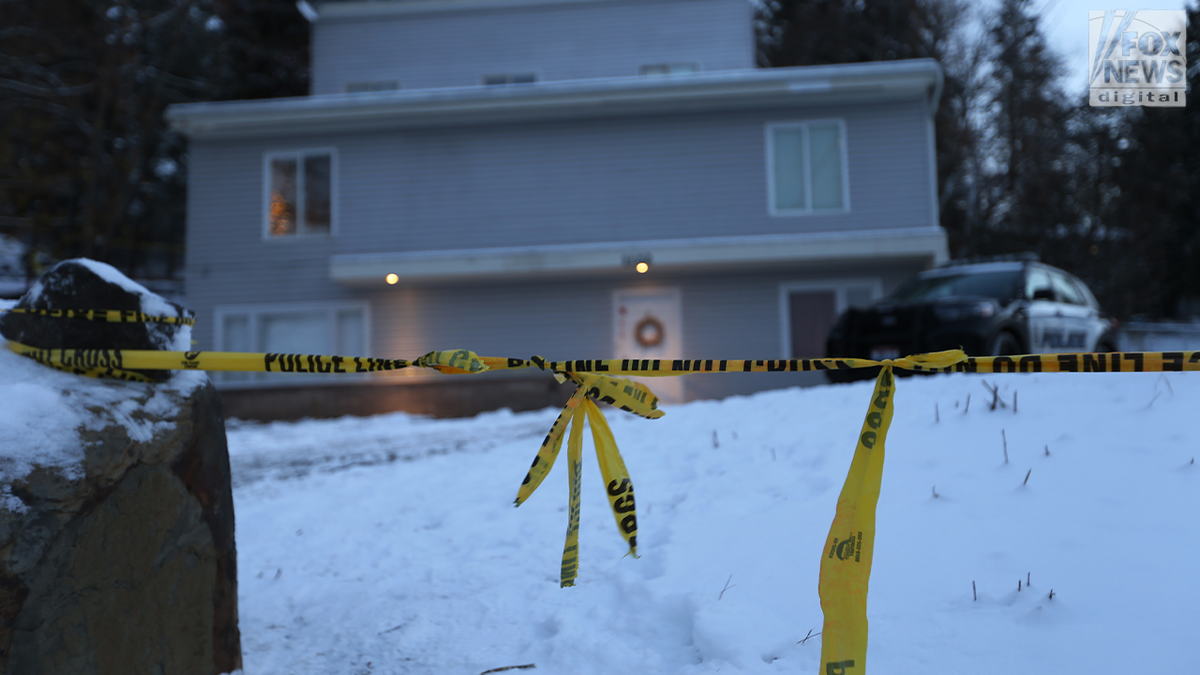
(806, 637)
(503, 668)
(727, 587)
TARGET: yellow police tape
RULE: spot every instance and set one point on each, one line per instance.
(106, 315)
(849, 548)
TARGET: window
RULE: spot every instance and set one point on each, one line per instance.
(1038, 280)
(669, 68)
(372, 85)
(510, 78)
(1003, 286)
(806, 167)
(1067, 292)
(299, 193)
(324, 328)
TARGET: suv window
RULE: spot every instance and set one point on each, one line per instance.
(1067, 292)
(1000, 285)
(1038, 280)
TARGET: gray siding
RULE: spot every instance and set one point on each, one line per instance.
(662, 177)
(731, 315)
(647, 178)
(612, 38)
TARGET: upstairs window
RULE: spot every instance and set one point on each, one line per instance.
(806, 167)
(510, 78)
(372, 85)
(299, 193)
(669, 68)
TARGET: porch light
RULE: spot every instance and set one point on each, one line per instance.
(392, 278)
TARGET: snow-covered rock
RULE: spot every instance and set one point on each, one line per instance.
(116, 513)
(83, 284)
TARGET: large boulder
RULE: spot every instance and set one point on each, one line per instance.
(116, 518)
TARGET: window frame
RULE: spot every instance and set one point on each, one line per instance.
(370, 86)
(301, 228)
(254, 314)
(840, 289)
(667, 66)
(508, 78)
(771, 177)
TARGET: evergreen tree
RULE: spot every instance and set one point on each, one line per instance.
(87, 164)
(1159, 183)
(1027, 115)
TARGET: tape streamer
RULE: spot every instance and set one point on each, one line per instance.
(618, 485)
(543, 461)
(615, 476)
(850, 546)
(570, 556)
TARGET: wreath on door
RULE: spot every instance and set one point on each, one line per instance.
(648, 332)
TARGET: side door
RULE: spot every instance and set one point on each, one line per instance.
(809, 309)
(811, 314)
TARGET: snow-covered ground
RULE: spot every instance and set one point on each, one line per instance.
(390, 544)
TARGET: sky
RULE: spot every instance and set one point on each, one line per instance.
(1065, 22)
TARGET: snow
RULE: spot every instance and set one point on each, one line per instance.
(44, 410)
(152, 304)
(390, 545)
(174, 338)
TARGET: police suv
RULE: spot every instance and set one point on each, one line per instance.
(990, 307)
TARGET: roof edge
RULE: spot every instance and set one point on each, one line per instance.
(615, 257)
(806, 85)
(373, 9)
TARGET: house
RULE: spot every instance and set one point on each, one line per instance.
(566, 178)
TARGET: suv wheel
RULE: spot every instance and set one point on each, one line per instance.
(1004, 344)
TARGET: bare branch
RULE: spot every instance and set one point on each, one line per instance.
(48, 92)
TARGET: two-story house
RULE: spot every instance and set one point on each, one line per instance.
(566, 178)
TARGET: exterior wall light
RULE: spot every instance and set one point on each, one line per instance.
(392, 278)
(642, 268)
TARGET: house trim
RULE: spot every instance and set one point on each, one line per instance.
(857, 83)
(360, 10)
(616, 257)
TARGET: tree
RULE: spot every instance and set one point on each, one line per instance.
(87, 165)
(1027, 115)
(1159, 204)
(815, 32)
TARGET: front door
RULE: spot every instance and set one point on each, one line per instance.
(648, 324)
